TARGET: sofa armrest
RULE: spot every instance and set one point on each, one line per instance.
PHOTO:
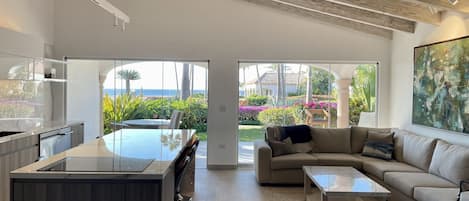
(464, 190)
(262, 159)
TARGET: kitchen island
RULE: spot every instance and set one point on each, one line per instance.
(23, 146)
(129, 164)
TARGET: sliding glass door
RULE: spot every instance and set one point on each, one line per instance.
(319, 95)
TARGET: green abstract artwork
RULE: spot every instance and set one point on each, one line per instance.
(441, 85)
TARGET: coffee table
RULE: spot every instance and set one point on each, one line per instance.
(342, 183)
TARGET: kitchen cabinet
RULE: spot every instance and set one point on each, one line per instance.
(13, 155)
(78, 135)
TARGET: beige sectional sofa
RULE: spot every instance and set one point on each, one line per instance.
(423, 169)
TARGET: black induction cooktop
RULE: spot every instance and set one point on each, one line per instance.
(98, 164)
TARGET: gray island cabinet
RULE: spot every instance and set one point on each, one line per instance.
(23, 148)
(129, 164)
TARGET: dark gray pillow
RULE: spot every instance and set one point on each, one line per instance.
(287, 147)
(281, 147)
(378, 150)
(379, 145)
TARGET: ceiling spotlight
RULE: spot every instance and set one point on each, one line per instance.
(453, 2)
(118, 14)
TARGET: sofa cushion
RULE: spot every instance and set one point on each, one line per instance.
(377, 168)
(418, 151)
(399, 145)
(273, 133)
(405, 182)
(293, 161)
(450, 161)
(327, 140)
(359, 136)
(338, 159)
(435, 194)
(380, 136)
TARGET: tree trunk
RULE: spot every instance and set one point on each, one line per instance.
(284, 85)
(177, 79)
(309, 87)
(192, 80)
(127, 86)
(259, 80)
(185, 91)
(279, 85)
(298, 81)
(244, 80)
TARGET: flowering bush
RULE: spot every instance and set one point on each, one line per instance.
(320, 105)
(277, 116)
(249, 114)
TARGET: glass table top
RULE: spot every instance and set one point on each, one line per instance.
(332, 179)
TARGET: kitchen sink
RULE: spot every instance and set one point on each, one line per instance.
(7, 133)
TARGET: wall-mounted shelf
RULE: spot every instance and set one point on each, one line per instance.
(53, 80)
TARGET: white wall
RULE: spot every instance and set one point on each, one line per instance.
(223, 31)
(32, 17)
(453, 26)
(83, 96)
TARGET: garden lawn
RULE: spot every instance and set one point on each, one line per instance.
(247, 133)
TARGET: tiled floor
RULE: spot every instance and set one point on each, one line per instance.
(240, 184)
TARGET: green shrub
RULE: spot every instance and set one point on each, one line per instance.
(277, 117)
(256, 100)
(127, 107)
(122, 108)
(195, 113)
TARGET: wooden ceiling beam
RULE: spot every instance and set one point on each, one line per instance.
(354, 14)
(326, 18)
(407, 10)
(462, 6)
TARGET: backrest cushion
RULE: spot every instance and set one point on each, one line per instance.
(450, 161)
(399, 145)
(359, 136)
(418, 150)
(329, 140)
(273, 133)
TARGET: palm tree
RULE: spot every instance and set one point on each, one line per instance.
(259, 80)
(128, 75)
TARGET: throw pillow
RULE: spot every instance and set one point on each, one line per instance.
(281, 147)
(379, 145)
(298, 134)
(378, 150)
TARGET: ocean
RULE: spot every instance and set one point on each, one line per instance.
(149, 92)
(154, 92)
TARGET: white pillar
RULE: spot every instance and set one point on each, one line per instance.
(102, 78)
(343, 89)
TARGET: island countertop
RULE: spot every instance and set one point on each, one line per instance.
(162, 146)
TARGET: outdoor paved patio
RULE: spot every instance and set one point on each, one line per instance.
(245, 154)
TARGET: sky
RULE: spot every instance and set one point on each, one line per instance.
(162, 75)
(155, 75)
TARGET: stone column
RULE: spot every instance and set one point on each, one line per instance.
(343, 89)
(102, 78)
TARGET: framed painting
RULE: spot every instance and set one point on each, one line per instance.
(441, 85)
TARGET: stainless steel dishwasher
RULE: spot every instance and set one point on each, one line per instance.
(54, 142)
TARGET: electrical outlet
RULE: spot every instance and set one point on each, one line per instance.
(222, 146)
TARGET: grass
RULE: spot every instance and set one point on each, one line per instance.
(247, 133)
